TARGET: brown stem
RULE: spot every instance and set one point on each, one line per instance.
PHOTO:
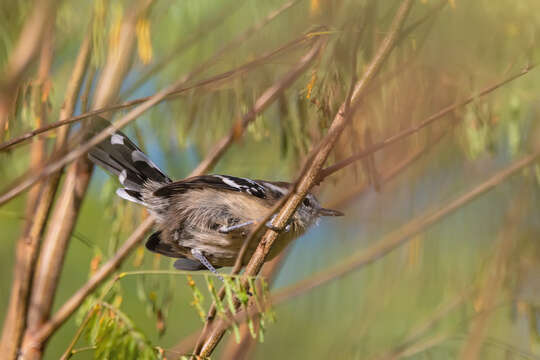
(246, 346)
(417, 333)
(495, 275)
(171, 94)
(414, 129)
(313, 167)
(240, 39)
(28, 245)
(74, 188)
(204, 28)
(187, 343)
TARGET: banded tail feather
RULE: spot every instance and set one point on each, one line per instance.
(120, 156)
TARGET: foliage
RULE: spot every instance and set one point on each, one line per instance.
(455, 50)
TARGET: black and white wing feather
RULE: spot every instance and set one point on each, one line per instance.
(219, 182)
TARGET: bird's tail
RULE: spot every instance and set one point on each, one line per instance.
(120, 156)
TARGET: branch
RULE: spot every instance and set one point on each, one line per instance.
(267, 98)
(228, 75)
(48, 328)
(495, 275)
(414, 129)
(203, 29)
(383, 247)
(312, 169)
(418, 332)
(241, 38)
(186, 344)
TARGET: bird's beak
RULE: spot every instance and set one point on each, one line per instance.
(329, 212)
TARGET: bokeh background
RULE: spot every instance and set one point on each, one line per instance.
(470, 279)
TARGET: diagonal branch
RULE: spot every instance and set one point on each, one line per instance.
(414, 129)
(312, 169)
(388, 243)
(204, 29)
(267, 98)
(241, 38)
(37, 208)
(228, 75)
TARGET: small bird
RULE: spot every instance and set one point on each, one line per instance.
(202, 220)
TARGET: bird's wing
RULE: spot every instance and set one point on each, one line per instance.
(220, 182)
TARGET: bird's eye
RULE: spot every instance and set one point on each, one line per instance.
(306, 202)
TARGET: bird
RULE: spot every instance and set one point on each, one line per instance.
(202, 221)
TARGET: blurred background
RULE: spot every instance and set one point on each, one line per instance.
(425, 264)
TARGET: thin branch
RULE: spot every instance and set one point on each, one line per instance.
(48, 328)
(228, 75)
(313, 167)
(418, 332)
(188, 342)
(383, 247)
(240, 39)
(203, 29)
(267, 98)
(246, 346)
(414, 129)
(69, 351)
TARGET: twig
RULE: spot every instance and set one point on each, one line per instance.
(204, 28)
(48, 328)
(383, 247)
(267, 98)
(416, 333)
(241, 38)
(174, 93)
(69, 351)
(246, 346)
(312, 169)
(269, 95)
(414, 129)
(262, 103)
(186, 344)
